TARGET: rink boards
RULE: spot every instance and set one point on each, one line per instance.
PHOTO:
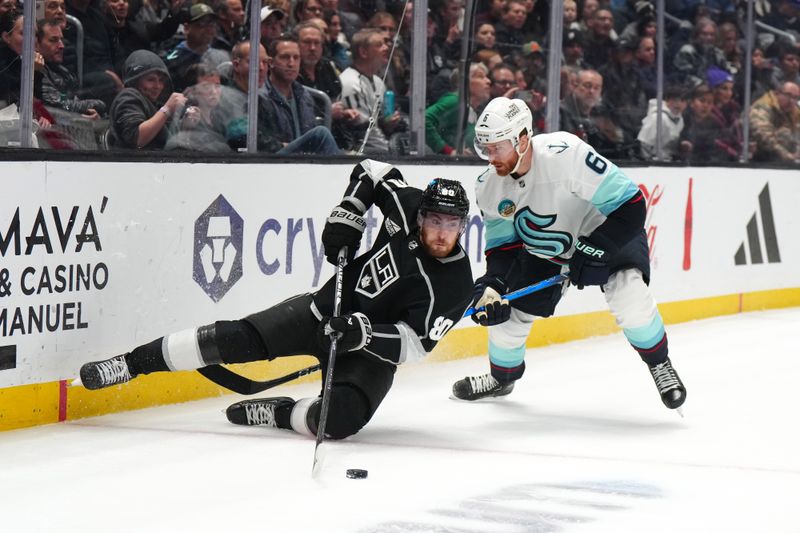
(98, 257)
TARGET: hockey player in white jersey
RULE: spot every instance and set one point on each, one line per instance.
(550, 204)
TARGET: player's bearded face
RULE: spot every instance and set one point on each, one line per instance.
(439, 233)
(502, 156)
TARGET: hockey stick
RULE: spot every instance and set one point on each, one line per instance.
(341, 261)
(524, 291)
(243, 385)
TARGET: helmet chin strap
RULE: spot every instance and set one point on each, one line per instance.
(513, 172)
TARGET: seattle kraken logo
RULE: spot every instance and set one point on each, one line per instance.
(218, 235)
(530, 227)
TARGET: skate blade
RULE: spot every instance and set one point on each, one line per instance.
(76, 383)
(679, 410)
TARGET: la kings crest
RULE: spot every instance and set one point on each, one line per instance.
(378, 273)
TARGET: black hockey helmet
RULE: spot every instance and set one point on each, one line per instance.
(444, 196)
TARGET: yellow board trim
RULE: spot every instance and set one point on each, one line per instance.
(33, 405)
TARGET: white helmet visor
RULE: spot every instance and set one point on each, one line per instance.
(493, 150)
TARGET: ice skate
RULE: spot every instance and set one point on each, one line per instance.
(101, 374)
(476, 387)
(669, 385)
(259, 412)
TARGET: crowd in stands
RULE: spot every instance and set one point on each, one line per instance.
(173, 75)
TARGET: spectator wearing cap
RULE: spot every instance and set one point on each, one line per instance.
(726, 108)
(510, 37)
(273, 24)
(623, 90)
(788, 65)
(694, 58)
(201, 29)
(775, 122)
(230, 21)
(598, 42)
(142, 113)
(572, 49)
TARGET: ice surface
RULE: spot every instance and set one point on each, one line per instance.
(583, 444)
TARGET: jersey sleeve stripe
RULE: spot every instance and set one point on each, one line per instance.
(499, 232)
(615, 189)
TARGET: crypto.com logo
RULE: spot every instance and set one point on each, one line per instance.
(218, 236)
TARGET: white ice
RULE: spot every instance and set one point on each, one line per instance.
(582, 445)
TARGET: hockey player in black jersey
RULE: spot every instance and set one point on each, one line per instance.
(399, 299)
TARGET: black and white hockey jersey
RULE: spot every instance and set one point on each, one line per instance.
(411, 298)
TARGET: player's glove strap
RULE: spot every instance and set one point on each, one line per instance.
(588, 264)
(353, 332)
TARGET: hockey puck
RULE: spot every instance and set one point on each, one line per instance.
(356, 473)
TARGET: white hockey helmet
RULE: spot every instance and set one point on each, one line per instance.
(502, 119)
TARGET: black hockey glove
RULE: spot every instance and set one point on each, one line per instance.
(353, 332)
(343, 228)
(588, 265)
(487, 292)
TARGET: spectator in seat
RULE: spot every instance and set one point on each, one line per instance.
(710, 140)
(142, 113)
(578, 108)
(201, 128)
(623, 90)
(572, 49)
(320, 72)
(363, 89)
(775, 121)
(694, 58)
(233, 110)
(598, 42)
(56, 10)
(59, 85)
(726, 109)
(485, 37)
(292, 104)
(788, 67)
(510, 37)
(11, 23)
(761, 76)
(336, 46)
(201, 29)
(645, 65)
(441, 119)
(273, 24)
(674, 105)
(230, 21)
(100, 79)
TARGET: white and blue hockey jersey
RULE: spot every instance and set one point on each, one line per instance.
(568, 192)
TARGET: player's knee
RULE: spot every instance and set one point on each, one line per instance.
(238, 342)
(349, 412)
